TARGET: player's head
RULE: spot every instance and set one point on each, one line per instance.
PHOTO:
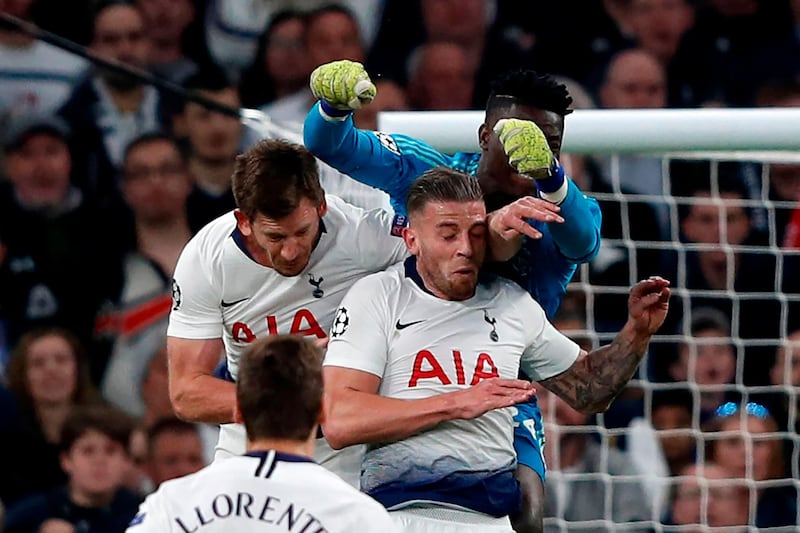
(447, 231)
(279, 391)
(280, 204)
(94, 443)
(526, 95)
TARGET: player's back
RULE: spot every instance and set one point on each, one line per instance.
(261, 491)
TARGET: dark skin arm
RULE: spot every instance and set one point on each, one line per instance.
(531, 516)
(596, 378)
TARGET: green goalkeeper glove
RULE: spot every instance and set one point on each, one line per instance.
(343, 85)
(526, 147)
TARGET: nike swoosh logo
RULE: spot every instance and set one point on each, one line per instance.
(223, 303)
(404, 326)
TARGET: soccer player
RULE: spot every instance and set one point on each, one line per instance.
(276, 485)
(422, 361)
(280, 263)
(524, 118)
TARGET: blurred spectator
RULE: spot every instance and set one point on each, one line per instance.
(663, 444)
(94, 455)
(492, 44)
(53, 272)
(281, 66)
(572, 493)
(705, 495)
(784, 403)
(156, 186)
(706, 358)
(734, 46)
(715, 224)
(214, 140)
(166, 23)
(749, 448)
(390, 97)
(174, 449)
(110, 108)
(48, 375)
(35, 77)
(233, 28)
(439, 78)
(659, 25)
(332, 33)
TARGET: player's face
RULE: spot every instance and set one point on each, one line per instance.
(52, 370)
(500, 182)
(285, 244)
(449, 241)
(96, 464)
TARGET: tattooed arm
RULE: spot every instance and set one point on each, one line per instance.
(597, 377)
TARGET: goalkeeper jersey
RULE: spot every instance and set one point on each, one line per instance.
(391, 162)
(421, 346)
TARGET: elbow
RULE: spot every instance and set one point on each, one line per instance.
(594, 408)
(336, 435)
(178, 397)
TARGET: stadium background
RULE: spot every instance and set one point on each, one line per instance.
(724, 227)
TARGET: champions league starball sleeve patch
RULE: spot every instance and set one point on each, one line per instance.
(176, 295)
(340, 323)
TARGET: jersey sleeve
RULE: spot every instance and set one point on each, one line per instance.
(195, 310)
(359, 334)
(548, 352)
(152, 516)
(578, 237)
(389, 162)
(377, 248)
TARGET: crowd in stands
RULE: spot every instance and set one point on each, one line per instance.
(103, 180)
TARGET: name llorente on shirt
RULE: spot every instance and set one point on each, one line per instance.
(260, 507)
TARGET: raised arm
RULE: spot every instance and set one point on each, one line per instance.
(597, 377)
(198, 396)
(355, 413)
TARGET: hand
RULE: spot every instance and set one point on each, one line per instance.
(648, 304)
(342, 84)
(56, 525)
(322, 342)
(490, 394)
(512, 220)
(526, 147)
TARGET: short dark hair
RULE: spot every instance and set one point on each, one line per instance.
(674, 397)
(529, 88)
(148, 138)
(168, 425)
(442, 184)
(105, 419)
(209, 78)
(279, 388)
(272, 178)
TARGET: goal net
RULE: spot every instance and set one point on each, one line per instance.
(705, 437)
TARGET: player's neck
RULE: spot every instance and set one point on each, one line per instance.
(302, 448)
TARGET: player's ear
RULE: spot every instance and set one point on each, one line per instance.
(483, 136)
(243, 223)
(323, 207)
(410, 238)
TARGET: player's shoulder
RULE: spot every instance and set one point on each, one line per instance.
(510, 292)
(346, 219)
(211, 238)
(381, 284)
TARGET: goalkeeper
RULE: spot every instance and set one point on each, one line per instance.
(535, 204)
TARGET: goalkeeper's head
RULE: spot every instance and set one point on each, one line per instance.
(528, 95)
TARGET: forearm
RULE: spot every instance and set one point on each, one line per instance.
(578, 236)
(592, 383)
(502, 249)
(204, 398)
(357, 417)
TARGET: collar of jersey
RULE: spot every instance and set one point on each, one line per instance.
(280, 456)
(238, 238)
(410, 266)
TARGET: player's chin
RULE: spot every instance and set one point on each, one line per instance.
(290, 270)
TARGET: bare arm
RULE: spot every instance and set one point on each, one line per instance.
(596, 378)
(197, 395)
(509, 224)
(355, 413)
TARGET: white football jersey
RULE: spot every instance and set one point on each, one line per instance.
(220, 291)
(421, 346)
(261, 491)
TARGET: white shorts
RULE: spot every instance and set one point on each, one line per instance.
(444, 520)
(346, 463)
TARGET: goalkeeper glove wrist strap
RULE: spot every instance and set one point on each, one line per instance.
(331, 113)
(554, 189)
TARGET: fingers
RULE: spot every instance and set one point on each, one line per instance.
(653, 284)
(322, 342)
